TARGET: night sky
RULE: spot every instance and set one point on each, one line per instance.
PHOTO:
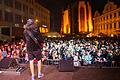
(56, 7)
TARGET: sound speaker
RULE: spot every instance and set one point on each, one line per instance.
(8, 62)
(66, 66)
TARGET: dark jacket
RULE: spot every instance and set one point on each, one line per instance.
(31, 45)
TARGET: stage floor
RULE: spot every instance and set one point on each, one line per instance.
(82, 73)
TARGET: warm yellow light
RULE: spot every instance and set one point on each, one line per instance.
(36, 20)
(90, 23)
(88, 35)
(54, 36)
(66, 23)
(43, 30)
(49, 36)
(46, 30)
(90, 26)
(112, 35)
(90, 19)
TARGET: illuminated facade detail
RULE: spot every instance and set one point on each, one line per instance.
(80, 18)
(66, 23)
(85, 17)
(14, 13)
(107, 22)
(90, 24)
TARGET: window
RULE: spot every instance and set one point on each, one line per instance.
(114, 14)
(8, 3)
(107, 17)
(110, 16)
(8, 16)
(18, 18)
(26, 0)
(82, 16)
(111, 26)
(110, 7)
(106, 26)
(0, 14)
(5, 30)
(114, 25)
(119, 13)
(32, 1)
(31, 11)
(25, 8)
(0, 1)
(103, 18)
(18, 5)
(81, 13)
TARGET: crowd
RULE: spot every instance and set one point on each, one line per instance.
(16, 50)
(81, 51)
(87, 52)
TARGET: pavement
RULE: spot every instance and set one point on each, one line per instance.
(82, 73)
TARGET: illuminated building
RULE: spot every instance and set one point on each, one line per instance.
(66, 23)
(109, 21)
(77, 18)
(14, 14)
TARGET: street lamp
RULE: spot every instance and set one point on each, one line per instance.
(36, 20)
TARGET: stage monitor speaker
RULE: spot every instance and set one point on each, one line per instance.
(7, 63)
(66, 66)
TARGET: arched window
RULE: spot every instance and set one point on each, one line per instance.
(115, 25)
(82, 16)
(111, 26)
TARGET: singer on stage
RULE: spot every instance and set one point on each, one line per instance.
(33, 40)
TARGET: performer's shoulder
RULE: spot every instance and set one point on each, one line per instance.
(25, 32)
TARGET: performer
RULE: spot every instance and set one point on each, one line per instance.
(33, 41)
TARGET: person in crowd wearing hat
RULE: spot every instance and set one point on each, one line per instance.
(33, 41)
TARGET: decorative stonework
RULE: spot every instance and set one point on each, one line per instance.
(96, 14)
(109, 7)
(80, 21)
(109, 21)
